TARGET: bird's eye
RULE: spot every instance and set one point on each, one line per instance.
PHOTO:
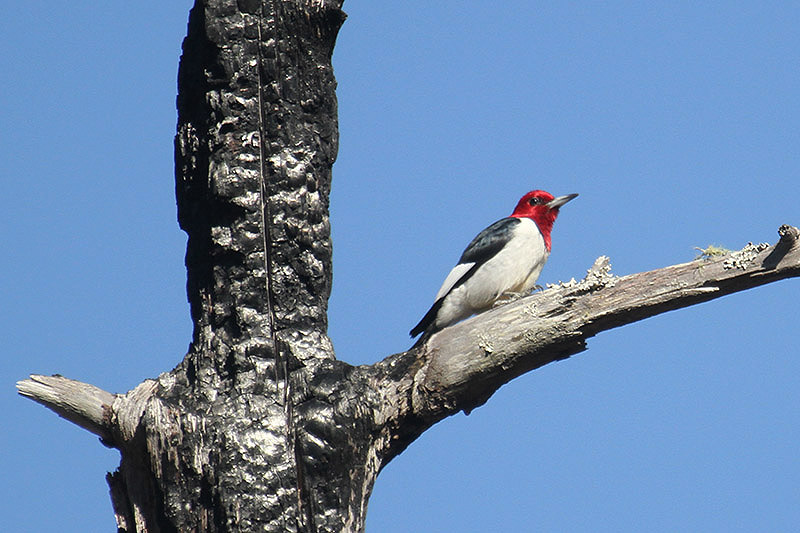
(535, 201)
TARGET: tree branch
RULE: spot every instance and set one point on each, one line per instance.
(460, 367)
(85, 405)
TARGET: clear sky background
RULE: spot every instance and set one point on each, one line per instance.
(677, 123)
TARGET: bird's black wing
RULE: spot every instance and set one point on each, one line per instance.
(487, 243)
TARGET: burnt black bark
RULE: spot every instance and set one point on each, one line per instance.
(260, 428)
(255, 428)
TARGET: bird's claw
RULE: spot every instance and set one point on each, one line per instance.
(508, 297)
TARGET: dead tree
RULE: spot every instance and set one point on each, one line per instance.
(260, 427)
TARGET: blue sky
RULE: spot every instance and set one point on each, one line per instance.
(678, 125)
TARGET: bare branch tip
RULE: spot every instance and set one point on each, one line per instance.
(31, 387)
(789, 234)
(80, 403)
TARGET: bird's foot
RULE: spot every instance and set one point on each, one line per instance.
(508, 297)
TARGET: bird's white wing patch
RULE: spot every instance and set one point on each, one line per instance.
(452, 278)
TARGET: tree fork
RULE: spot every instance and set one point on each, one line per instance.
(389, 404)
(260, 428)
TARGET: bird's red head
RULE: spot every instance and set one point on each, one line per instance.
(541, 207)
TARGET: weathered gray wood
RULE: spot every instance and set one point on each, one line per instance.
(80, 403)
(260, 428)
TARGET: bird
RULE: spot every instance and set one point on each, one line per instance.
(502, 262)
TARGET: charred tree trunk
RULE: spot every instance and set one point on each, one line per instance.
(260, 428)
(253, 430)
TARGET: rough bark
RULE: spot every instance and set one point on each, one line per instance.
(260, 428)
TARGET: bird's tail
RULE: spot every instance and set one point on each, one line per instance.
(423, 338)
(428, 320)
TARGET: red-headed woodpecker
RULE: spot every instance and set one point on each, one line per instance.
(504, 260)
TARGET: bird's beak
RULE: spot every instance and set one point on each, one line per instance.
(561, 200)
